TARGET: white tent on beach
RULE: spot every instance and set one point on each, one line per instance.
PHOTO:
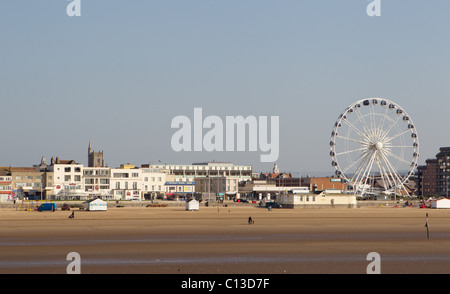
(440, 203)
(96, 205)
(192, 205)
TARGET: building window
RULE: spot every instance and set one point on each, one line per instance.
(67, 178)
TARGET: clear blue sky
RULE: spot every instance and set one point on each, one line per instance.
(121, 71)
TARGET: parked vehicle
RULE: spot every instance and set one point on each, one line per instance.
(47, 207)
(273, 205)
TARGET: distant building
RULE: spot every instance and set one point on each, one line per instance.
(126, 183)
(220, 188)
(6, 190)
(323, 183)
(426, 177)
(67, 179)
(176, 190)
(28, 183)
(185, 173)
(95, 159)
(433, 178)
(275, 174)
(153, 182)
(326, 198)
(96, 181)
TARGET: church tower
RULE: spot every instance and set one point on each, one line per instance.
(95, 159)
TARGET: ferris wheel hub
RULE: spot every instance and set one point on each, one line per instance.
(378, 146)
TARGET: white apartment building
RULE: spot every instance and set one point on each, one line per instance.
(153, 182)
(184, 173)
(97, 182)
(126, 183)
(67, 179)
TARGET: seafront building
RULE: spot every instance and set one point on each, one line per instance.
(6, 191)
(325, 198)
(206, 169)
(434, 177)
(62, 179)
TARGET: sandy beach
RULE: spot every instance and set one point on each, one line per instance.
(219, 240)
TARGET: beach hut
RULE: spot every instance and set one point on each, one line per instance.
(192, 205)
(440, 203)
(96, 205)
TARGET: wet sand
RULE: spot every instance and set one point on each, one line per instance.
(213, 240)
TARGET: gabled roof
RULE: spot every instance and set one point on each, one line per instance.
(91, 200)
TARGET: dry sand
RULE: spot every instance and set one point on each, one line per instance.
(219, 240)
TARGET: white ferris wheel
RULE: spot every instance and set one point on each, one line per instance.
(374, 147)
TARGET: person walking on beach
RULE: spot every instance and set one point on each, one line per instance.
(250, 221)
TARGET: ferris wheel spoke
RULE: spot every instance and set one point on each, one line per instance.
(352, 139)
(350, 151)
(396, 136)
(390, 128)
(401, 146)
(389, 173)
(367, 172)
(373, 121)
(356, 129)
(396, 157)
(359, 173)
(391, 169)
(380, 128)
(352, 164)
(362, 120)
(384, 175)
